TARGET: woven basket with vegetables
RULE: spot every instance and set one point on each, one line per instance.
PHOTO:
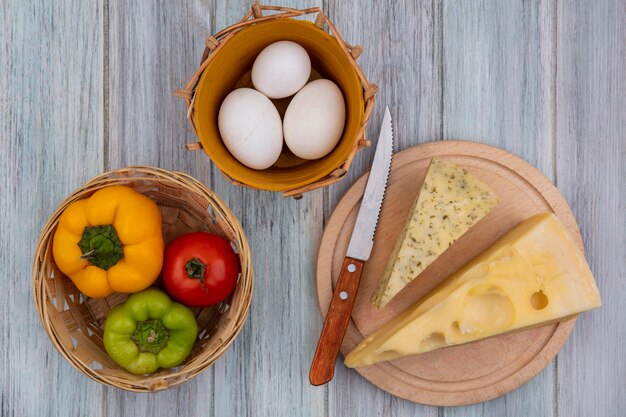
(142, 278)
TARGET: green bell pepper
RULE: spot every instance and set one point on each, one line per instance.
(149, 331)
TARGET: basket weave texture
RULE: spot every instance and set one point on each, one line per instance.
(214, 43)
(75, 323)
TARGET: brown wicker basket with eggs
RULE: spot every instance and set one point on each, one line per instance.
(278, 103)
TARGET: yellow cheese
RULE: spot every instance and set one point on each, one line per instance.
(450, 202)
(534, 274)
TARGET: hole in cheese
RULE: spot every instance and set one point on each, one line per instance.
(455, 329)
(389, 355)
(539, 300)
(434, 341)
(486, 309)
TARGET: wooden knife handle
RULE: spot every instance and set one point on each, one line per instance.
(336, 323)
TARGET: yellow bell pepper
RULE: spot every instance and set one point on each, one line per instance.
(110, 242)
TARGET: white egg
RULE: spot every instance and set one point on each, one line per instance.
(251, 128)
(314, 120)
(281, 69)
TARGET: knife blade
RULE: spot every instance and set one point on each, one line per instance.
(359, 251)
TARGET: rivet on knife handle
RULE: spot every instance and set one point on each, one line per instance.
(336, 323)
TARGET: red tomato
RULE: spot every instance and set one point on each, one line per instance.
(200, 269)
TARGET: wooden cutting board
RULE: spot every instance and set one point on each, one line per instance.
(469, 373)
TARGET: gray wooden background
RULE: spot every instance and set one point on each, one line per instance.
(86, 86)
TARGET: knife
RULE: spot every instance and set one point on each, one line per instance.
(359, 250)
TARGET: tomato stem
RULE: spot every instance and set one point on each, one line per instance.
(195, 270)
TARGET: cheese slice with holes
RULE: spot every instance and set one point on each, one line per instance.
(450, 202)
(534, 275)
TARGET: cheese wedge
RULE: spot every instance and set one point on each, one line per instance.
(533, 275)
(450, 202)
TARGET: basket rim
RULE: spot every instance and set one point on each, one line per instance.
(162, 379)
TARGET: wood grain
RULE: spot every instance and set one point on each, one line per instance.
(152, 49)
(269, 362)
(401, 43)
(498, 80)
(402, 46)
(591, 171)
(51, 141)
(464, 374)
(542, 79)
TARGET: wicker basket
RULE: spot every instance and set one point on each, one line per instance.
(75, 323)
(293, 177)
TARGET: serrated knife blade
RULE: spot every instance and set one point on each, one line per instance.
(362, 240)
(359, 250)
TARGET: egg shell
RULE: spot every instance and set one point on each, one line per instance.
(281, 69)
(251, 128)
(314, 120)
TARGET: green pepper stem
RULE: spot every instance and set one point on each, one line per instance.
(101, 246)
(150, 336)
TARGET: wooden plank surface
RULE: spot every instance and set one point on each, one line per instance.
(497, 87)
(51, 142)
(271, 358)
(88, 87)
(401, 55)
(591, 172)
(153, 47)
(402, 48)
